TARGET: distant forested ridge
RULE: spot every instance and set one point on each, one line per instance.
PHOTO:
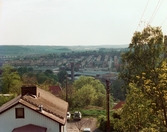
(24, 50)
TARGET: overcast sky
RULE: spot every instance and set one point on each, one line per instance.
(77, 22)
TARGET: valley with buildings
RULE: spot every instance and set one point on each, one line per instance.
(83, 66)
(49, 68)
(89, 61)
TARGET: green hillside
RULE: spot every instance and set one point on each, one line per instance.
(25, 50)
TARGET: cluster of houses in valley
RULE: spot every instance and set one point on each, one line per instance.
(106, 62)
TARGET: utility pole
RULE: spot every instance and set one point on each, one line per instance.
(72, 71)
(108, 105)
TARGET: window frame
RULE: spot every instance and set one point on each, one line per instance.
(17, 114)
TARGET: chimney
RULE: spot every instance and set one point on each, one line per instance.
(29, 90)
(72, 71)
(40, 108)
(39, 94)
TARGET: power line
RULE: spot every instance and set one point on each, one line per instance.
(142, 14)
(155, 11)
(163, 21)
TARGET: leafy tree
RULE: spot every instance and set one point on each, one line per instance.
(89, 83)
(155, 87)
(69, 95)
(22, 70)
(102, 119)
(85, 96)
(41, 78)
(45, 85)
(145, 66)
(62, 76)
(48, 72)
(136, 114)
(30, 69)
(117, 89)
(101, 100)
(29, 79)
(99, 87)
(50, 76)
(145, 53)
(11, 81)
(85, 91)
(4, 99)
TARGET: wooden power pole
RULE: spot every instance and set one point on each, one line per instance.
(108, 105)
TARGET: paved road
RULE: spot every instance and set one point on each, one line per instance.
(74, 126)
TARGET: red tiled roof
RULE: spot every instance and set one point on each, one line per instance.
(119, 105)
(55, 89)
(30, 128)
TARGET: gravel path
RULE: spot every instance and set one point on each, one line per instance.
(74, 126)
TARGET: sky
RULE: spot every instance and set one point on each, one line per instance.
(77, 22)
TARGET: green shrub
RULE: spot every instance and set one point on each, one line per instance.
(4, 99)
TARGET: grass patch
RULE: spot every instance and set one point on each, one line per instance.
(93, 112)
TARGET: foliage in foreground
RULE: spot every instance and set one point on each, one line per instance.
(137, 114)
(144, 72)
(103, 123)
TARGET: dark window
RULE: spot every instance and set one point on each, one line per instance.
(19, 112)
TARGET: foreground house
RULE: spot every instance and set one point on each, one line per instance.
(35, 110)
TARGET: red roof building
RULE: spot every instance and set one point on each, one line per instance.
(55, 89)
(119, 105)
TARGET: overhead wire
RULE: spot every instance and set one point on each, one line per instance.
(142, 14)
(163, 21)
(158, 5)
(155, 11)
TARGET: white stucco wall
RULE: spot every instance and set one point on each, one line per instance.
(8, 120)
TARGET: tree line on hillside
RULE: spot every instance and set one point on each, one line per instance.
(82, 92)
(13, 78)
